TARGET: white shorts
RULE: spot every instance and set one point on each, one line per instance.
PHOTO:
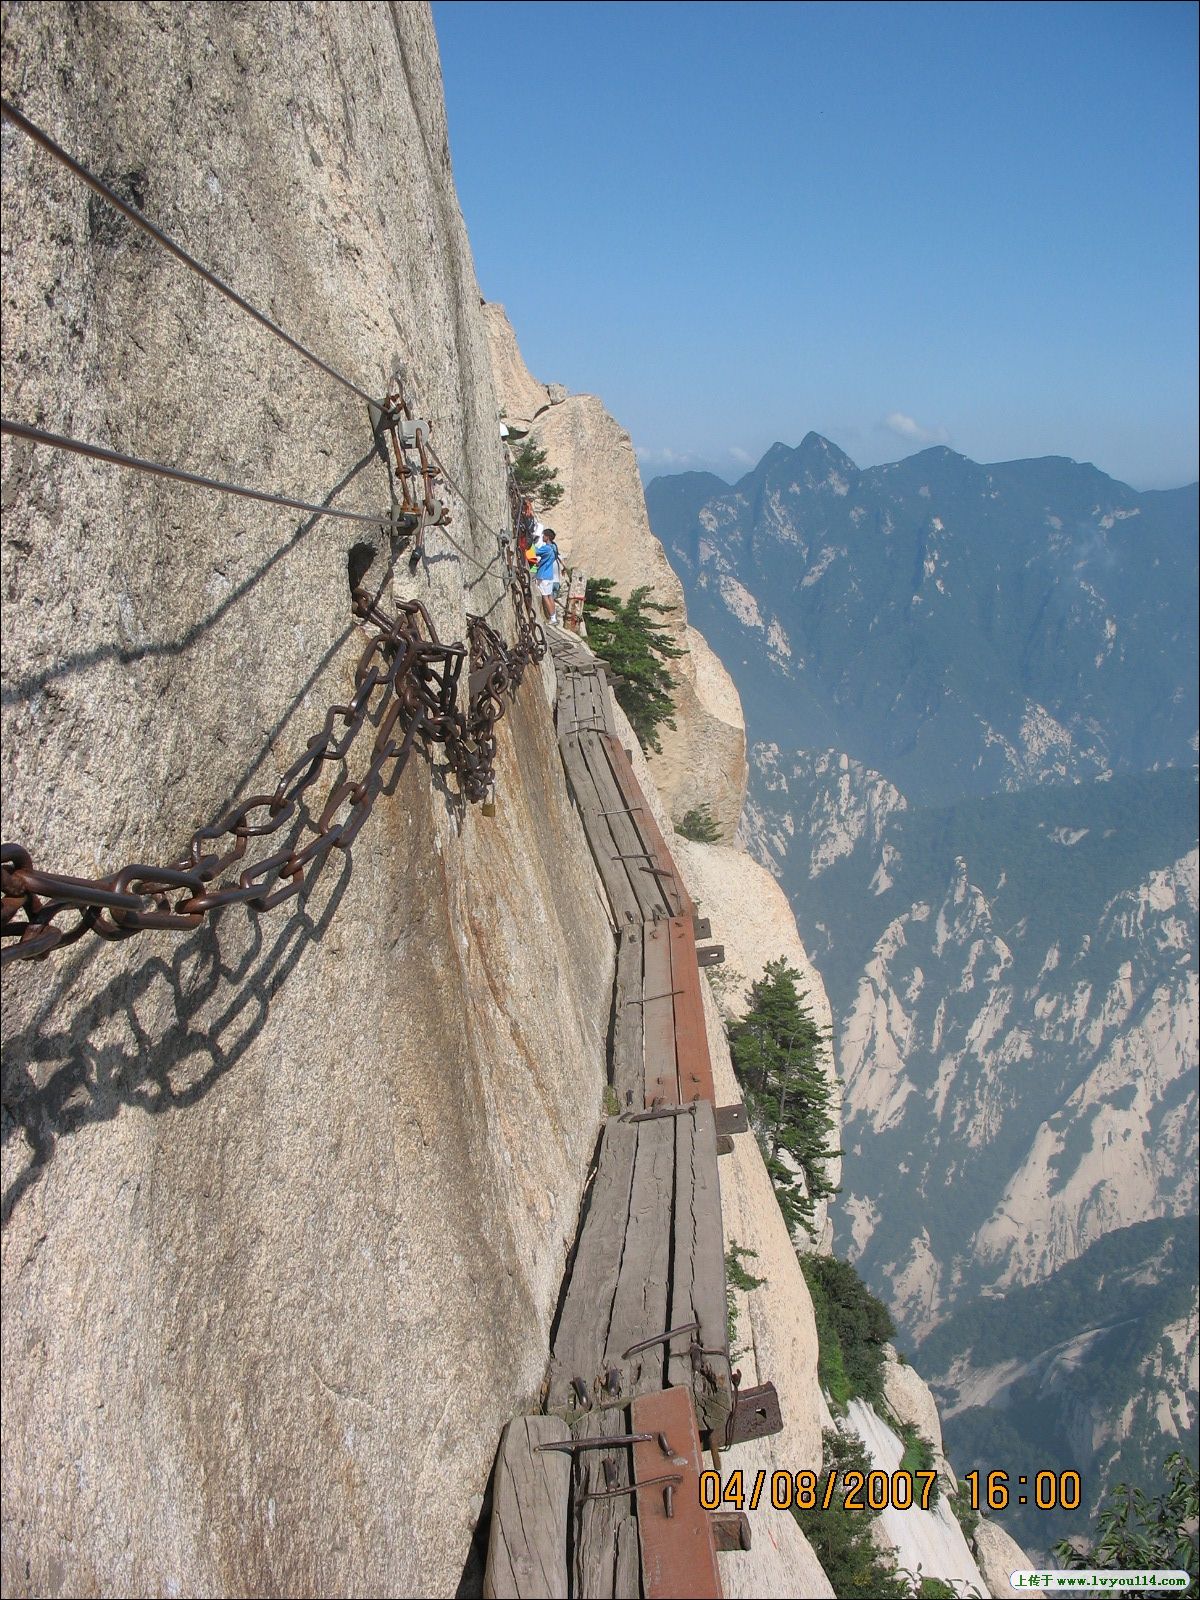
(546, 586)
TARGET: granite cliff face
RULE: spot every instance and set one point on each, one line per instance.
(603, 526)
(286, 1199)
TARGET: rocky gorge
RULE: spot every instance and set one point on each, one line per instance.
(973, 771)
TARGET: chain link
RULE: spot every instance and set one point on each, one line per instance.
(407, 687)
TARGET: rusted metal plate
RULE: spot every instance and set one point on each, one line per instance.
(698, 1271)
(691, 1036)
(732, 1119)
(755, 1415)
(658, 1018)
(710, 955)
(662, 864)
(731, 1530)
(620, 794)
(679, 1553)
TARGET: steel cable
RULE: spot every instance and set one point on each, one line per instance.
(97, 452)
(39, 136)
(407, 686)
(42, 138)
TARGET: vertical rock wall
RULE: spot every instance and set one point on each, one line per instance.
(603, 525)
(285, 1198)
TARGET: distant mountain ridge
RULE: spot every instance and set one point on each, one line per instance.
(959, 628)
(1091, 1370)
(971, 705)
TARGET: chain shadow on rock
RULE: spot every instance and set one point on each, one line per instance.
(57, 1080)
(60, 1076)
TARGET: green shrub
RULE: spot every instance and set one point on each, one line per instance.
(699, 824)
(965, 1513)
(918, 1456)
(1137, 1532)
(841, 1539)
(736, 1277)
(831, 1371)
(850, 1317)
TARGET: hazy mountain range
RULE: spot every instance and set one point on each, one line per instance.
(972, 711)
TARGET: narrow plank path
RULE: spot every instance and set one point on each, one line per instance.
(643, 1314)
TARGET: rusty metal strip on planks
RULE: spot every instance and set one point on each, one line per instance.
(691, 1036)
(679, 1554)
(655, 843)
(658, 1018)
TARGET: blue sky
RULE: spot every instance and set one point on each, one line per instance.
(897, 224)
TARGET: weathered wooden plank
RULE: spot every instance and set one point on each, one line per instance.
(527, 1541)
(624, 822)
(640, 1305)
(658, 1017)
(579, 1340)
(691, 1037)
(676, 897)
(628, 1056)
(593, 700)
(587, 688)
(605, 1564)
(570, 685)
(678, 1550)
(606, 697)
(698, 1267)
(598, 831)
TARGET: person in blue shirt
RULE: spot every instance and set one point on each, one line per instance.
(549, 571)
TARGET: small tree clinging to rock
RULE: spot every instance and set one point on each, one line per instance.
(700, 825)
(777, 1051)
(636, 647)
(535, 479)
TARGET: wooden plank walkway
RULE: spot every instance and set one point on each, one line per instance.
(527, 1541)
(642, 1322)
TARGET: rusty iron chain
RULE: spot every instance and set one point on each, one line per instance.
(407, 687)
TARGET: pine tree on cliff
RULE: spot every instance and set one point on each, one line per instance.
(777, 1051)
(535, 479)
(636, 647)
